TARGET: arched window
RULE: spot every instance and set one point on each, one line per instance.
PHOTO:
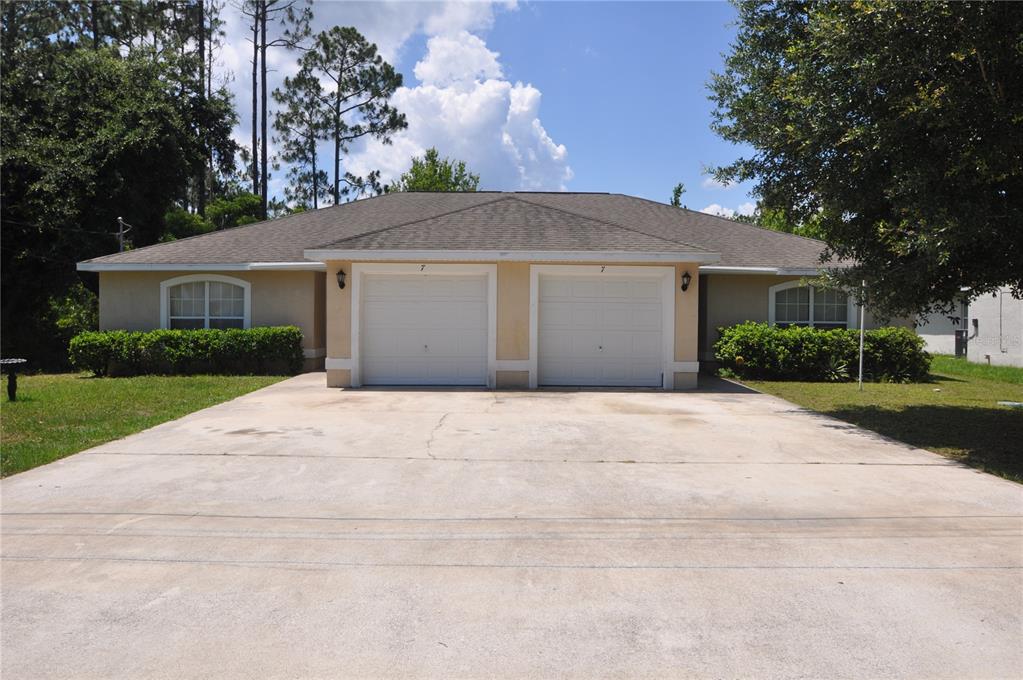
(792, 304)
(205, 301)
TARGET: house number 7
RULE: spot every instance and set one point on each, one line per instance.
(422, 267)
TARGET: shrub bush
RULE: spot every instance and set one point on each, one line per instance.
(759, 350)
(187, 352)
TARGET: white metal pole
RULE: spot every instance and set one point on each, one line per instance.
(863, 306)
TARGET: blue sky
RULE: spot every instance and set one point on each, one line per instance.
(624, 88)
(583, 96)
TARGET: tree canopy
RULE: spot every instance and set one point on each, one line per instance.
(891, 130)
(107, 112)
(676, 194)
(356, 101)
(300, 123)
(433, 173)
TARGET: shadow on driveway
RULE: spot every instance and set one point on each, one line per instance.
(950, 427)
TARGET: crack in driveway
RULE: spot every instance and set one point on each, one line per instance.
(433, 433)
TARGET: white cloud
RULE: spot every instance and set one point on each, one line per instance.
(459, 60)
(465, 108)
(747, 208)
(462, 104)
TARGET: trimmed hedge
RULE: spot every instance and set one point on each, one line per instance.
(759, 350)
(264, 351)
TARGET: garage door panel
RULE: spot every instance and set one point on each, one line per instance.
(424, 329)
(552, 289)
(559, 342)
(647, 316)
(600, 331)
(585, 315)
(618, 315)
(646, 344)
(649, 290)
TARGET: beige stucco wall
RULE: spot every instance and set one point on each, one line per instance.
(513, 310)
(512, 380)
(339, 377)
(734, 298)
(687, 313)
(131, 300)
(339, 311)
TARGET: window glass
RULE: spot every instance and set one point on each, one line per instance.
(206, 304)
(227, 323)
(830, 308)
(188, 299)
(186, 324)
(226, 300)
(792, 306)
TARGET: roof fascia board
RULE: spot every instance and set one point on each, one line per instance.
(211, 267)
(326, 254)
(779, 271)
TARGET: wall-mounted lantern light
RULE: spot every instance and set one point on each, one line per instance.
(686, 280)
(341, 279)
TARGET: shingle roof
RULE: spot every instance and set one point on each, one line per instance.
(488, 221)
(511, 223)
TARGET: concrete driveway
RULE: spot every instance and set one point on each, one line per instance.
(305, 532)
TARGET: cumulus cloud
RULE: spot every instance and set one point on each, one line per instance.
(461, 59)
(462, 104)
(464, 107)
(721, 211)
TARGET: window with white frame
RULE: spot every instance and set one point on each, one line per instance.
(191, 302)
(792, 304)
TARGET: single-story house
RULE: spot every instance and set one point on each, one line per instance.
(509, 290)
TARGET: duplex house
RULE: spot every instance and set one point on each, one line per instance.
(498, 289)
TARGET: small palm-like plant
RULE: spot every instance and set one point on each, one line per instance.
(836, 370)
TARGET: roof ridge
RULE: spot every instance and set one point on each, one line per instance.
(726, 219)
(410, 222)
(617, 224)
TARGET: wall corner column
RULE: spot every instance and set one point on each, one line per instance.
(687, 324)
(338, 302)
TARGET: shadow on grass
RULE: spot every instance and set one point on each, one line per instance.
(990, 439)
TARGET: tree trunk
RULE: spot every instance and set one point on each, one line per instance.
(255, 98)
(337, 146)
(316, 184)
(94, 20)
(201, 178)
(208, 80)
(262, 110)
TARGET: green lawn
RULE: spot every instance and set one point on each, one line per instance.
(956, 414)
(57, 415)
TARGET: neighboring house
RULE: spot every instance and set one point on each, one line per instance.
(991, 325)
(939, 330)
(497, 289)
(996, 327)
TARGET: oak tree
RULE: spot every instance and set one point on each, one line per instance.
(895, 129)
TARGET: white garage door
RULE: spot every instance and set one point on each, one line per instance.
(600, 331)
(424, 330)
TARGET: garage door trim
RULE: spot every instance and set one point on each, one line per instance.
(359, 270)
(665, 274)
